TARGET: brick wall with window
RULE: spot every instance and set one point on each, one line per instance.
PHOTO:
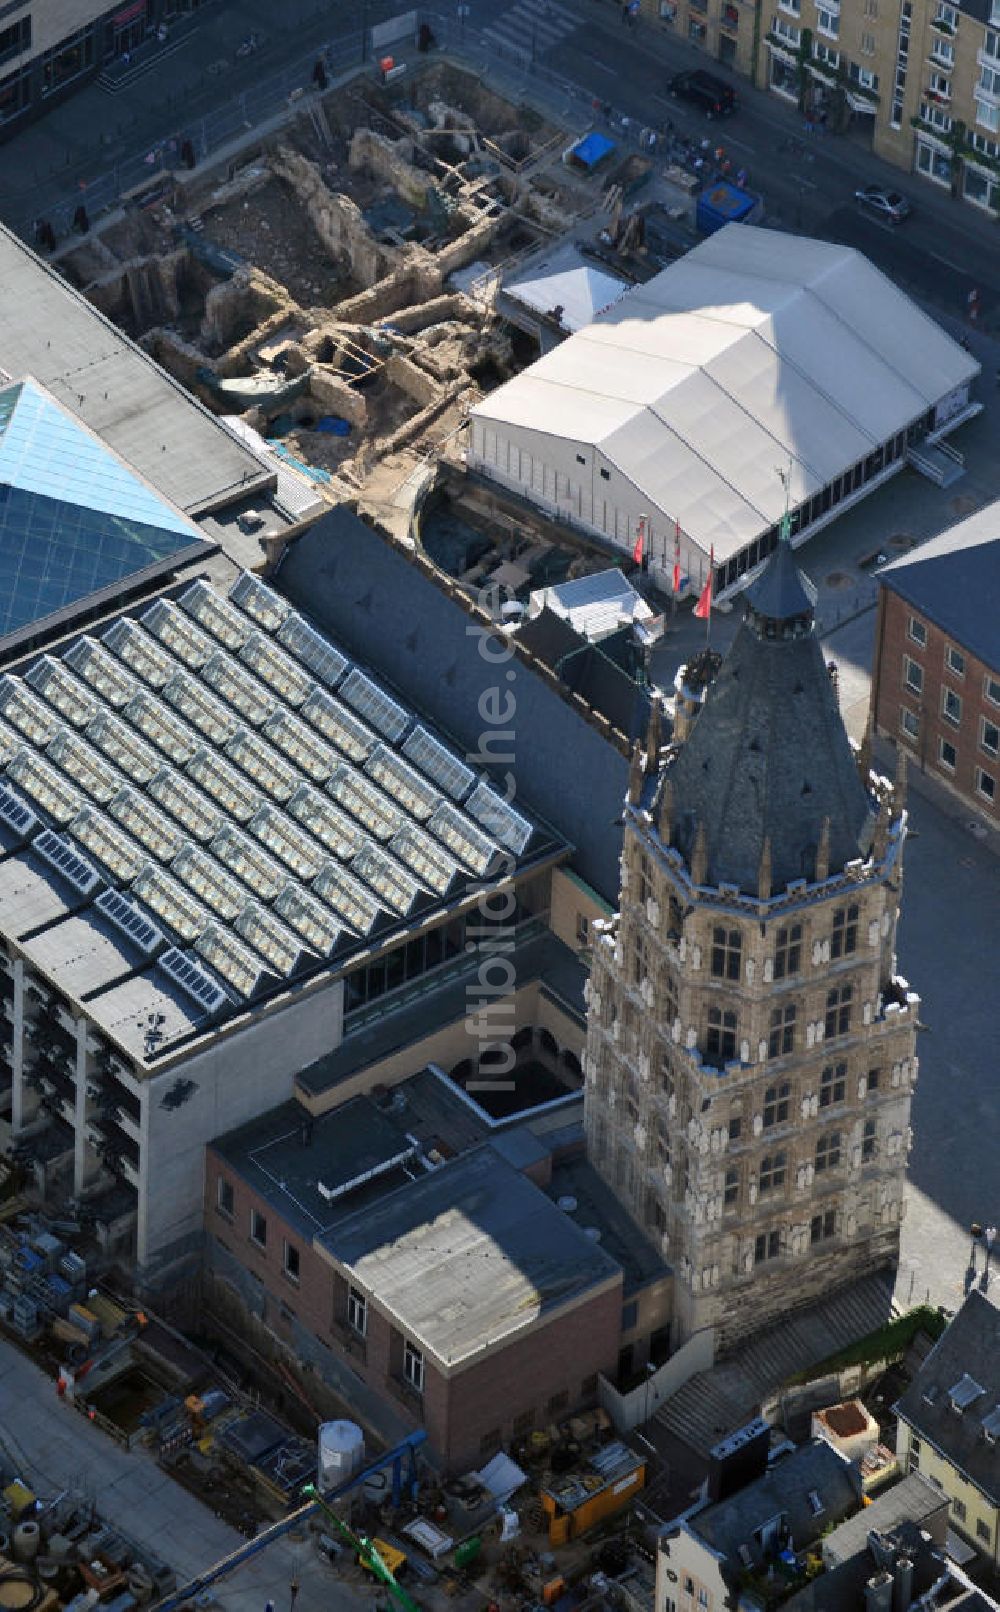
(932, 695)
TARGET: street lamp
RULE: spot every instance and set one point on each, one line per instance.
(650, 1373)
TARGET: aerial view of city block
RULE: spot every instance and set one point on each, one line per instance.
(499, 806)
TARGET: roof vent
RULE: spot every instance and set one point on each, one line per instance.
(593, 1232)
(567, 1203)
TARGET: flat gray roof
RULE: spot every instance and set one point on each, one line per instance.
(468, 1255)
(49, 330)
(86, 955)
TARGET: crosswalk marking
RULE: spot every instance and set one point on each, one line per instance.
(532, 27)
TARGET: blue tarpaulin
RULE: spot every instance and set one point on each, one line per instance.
(723, 203)
(592, 149)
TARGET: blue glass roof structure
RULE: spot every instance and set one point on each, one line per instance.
(74, 519)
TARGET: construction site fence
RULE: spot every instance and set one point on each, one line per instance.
(515, 73)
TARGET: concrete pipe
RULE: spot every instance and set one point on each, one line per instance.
(26, 1541)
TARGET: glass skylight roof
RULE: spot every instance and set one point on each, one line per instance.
(74, 520)
(199, 765)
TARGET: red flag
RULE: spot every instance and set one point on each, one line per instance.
(703, 609)
(677, 556)
(637, 551)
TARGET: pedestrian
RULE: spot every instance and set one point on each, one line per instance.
(81, 223)
(975, 1231)
(989, 1238)
(319, 76)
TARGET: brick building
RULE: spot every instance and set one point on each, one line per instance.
(936, 688)
(448, 1292)
(750, 1046)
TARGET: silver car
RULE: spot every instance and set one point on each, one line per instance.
(890, 205)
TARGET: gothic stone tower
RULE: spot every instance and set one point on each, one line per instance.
(750, 1047)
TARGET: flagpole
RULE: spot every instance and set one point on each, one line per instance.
(711, 590)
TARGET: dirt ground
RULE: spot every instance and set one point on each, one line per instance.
(270, 229)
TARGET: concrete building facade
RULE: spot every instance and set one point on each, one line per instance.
(750, 1050)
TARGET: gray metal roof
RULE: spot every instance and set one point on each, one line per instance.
(970, 1348)
(768, 758)
(469, 1255)
(784, 1490)
(50, 331)
(364, 589)
(914, 1500)
(954, 580)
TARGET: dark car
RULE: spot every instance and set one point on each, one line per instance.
(715, 98)
(891, 205)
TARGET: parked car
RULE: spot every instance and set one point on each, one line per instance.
(714, 97)
(891, 205)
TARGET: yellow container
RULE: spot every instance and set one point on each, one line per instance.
(19, 1499)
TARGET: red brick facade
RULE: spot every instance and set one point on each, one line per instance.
(932, 695)
(469, 1411)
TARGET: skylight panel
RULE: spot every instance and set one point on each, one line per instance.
(267, 935)
(465, 842)
(16, 814)
(278, 670)
(198, 815)
(130, 921)
(86, 766)
(332, 827)
(162, 728)
(300, 743)
(347, 896)
(244, 857)
(194, 981)
(499, 819)
(376, 706)
(339, 725)
(50, 678)
(288, 842)
(212, 719)
(247, 696)
(109, 843)
(178, 632)
(116, 740)
(149, 825)
(171, 902)
(431, 864)
(263, 763)
(403, 783)
(44, 785)
(239, 966)
(437, 762)
(216, 614)
(309, 918)
(140, 653)
(80, 873)
(11, 744)
(259, 601)
(358, 795)
(30, 715)
(396, 888)
(324, 661)
(234, 794)
(209, 881)
(102, 671)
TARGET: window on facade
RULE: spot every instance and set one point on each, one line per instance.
(951, 706)
(991, 688)
(986, 785)
(776, 1102)
(955, 660)
(697, 32)
(989, 737)
(735, 1127)
(833, 1085)
(828, 1152)
(983, 1530)
(844, 938)
(656, 1215)
(828, 22)
(726, 945)
(822, 1227)
(225, 1200)
(874, 1079)
(413, 1366)
(666, 1074)
(645, 881)
(357, 1311)
(913, 675)
(909, 723)
(731, 1189)
(258, 1228)
(869, 1138)
(788, 952)
(582, 929)
(767, 1246)
(631, 1099)
(721, 1039)
(15, 39)
(838, 1010)
(639, 969)
(781, 1037)
(947, 754)
(958, 1508)
(290, 1261)
(663, 1139)
(773, 1168)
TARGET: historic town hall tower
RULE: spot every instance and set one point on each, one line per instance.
(750, 1050)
